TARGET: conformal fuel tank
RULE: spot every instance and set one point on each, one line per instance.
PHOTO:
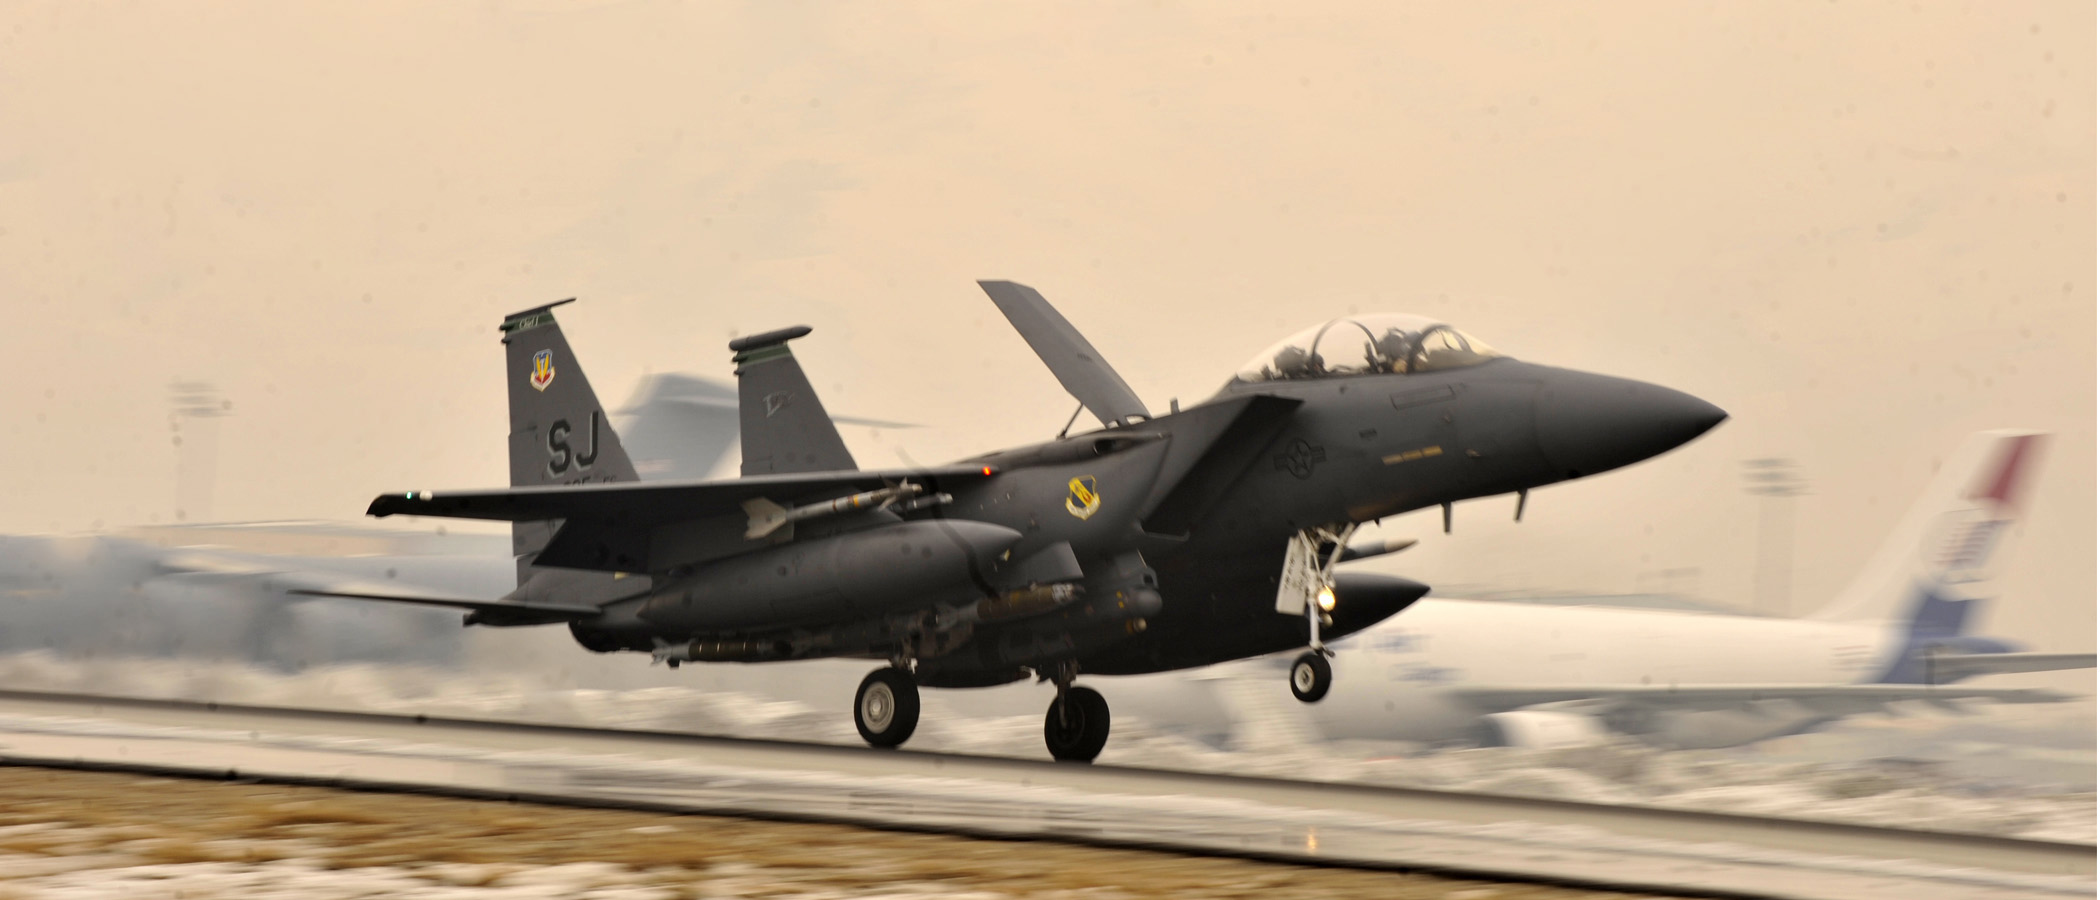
(835, 579)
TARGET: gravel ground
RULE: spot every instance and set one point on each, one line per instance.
(66, 834)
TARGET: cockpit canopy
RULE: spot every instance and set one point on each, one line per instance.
(1388, 343)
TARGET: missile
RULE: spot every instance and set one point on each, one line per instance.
(768, 516)
(930, 500)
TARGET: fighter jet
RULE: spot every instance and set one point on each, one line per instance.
(1156, 542)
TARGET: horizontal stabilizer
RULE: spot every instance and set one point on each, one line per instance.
(1075, 362)
(562, 610)
(1945, 667)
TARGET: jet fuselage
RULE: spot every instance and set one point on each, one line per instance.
(1180, 540)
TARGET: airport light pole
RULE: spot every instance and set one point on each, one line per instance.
(1777, 481)
(194, 422)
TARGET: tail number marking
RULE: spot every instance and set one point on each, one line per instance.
(560, 457)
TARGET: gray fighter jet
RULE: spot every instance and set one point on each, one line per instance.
(1157, 542)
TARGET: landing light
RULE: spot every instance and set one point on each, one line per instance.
(1326, 599)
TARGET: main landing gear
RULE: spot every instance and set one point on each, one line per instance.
(886, 708)
(1076, 727)
(886, 711)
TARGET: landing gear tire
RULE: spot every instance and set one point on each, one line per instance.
(1076, 727)
(1311, 676)
(886, 708)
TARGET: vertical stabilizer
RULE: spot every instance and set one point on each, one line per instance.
(1942, 559)
(559, 434)
(784, 425)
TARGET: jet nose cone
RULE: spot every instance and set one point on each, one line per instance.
(1592, 423)
(1364, 599)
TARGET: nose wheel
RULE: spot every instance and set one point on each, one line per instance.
(1311, 676)
(886, 708)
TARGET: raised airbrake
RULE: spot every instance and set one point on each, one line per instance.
(1157, 542)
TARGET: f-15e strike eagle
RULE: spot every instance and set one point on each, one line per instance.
(1162, 542)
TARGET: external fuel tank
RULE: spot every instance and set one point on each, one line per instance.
(829, 579)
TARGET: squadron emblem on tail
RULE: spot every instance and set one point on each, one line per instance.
(542, 370)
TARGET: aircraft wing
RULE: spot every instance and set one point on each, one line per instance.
(1832, 699)
(645, 526)
(636, 503)
(1956, 666)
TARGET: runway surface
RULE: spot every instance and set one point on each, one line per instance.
(1663, 851)
(2008, 771)
(72, 835)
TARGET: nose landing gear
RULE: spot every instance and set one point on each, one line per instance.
(886, 708)
(1306, 587)
(1311, 676)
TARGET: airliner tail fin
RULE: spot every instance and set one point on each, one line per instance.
(1942, 558)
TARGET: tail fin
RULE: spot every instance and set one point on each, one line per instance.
(559, 434)
(784, 425)
(1938, 563)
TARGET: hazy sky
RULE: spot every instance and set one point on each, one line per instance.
(1865, 229)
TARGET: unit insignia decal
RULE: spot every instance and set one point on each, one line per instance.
(542, 370)
(1082, 501)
